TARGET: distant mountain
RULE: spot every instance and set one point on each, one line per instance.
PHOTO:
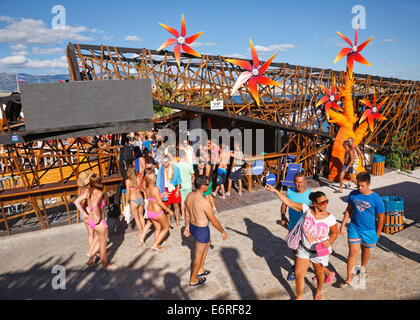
(8, 80)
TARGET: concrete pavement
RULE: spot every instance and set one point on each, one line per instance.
(252, 264)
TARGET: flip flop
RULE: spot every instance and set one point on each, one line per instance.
(200, 282)
(156, 249)
(142, 244)
(345, 285)
(205, 273)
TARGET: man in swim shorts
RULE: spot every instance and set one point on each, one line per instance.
(198, 213)
(348, 164)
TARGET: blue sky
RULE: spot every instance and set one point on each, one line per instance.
(303, 32)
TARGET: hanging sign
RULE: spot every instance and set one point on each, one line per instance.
(216, 105)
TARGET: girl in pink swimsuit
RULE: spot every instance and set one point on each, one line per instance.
(96, 219)
(155, 209)
(134, 196)
(82, 182)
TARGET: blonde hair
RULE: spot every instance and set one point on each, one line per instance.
(95, 182)
(132, 175)
(150, 179)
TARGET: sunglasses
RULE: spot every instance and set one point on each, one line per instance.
(323, 202)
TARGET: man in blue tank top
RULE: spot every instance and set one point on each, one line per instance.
(298, 194)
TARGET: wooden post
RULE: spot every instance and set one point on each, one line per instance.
(5, 218)
(249, 174)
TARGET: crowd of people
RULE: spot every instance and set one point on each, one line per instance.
(159, 185)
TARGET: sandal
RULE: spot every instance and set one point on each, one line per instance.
(205, 273)
(330, 278)
(200, 281)
(345, 285)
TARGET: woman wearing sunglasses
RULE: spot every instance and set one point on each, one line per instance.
(319, 231)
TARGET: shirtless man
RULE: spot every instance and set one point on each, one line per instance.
(356, 154)
(198, 213)
(351, 161)
(348, 164)
(222, 170)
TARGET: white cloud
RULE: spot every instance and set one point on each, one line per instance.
(202, 44)
(132, 38)
(13, 60)
(237, 55)
(18, 47)
(60, 63)
(389, 62)
(388, 40)
(20, 53)
(36, 31)
(335, 42)
(6, 19)
(47, 51)
(275, 47)
(23, 62)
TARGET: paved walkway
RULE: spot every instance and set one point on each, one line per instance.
(252, 264)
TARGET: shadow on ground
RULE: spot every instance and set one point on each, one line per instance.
(86, 282)
(273, 249)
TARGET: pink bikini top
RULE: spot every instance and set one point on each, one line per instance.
(103, 204)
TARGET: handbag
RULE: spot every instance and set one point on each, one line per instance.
(127, 213)
(295, 235)
(321, 250)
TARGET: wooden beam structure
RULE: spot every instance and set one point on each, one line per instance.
(289, 107)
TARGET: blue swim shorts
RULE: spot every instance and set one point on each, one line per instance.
(367, 238)
(201, 234)
(348, 171)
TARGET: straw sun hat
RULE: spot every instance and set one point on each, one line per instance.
(84, 177)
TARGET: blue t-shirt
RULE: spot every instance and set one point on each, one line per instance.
(303, 197)
(146, 144)
(365, 209)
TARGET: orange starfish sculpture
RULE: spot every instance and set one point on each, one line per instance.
(372, 112)
(254, 74)
(352, 53)
(330, 99)
(180, 41)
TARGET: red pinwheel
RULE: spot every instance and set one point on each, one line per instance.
(180, 40)
(372, 112)
(353, 53)
(254, 74)
(330, 99)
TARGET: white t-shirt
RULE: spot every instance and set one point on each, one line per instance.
(190, 154)
(315, 231)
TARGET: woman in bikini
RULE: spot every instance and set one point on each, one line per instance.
(82, 182)
(155, 210)
(150, 163)
(96, 219)
(134, 196)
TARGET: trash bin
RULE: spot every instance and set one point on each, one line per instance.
(378, 165)
(394, 214)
